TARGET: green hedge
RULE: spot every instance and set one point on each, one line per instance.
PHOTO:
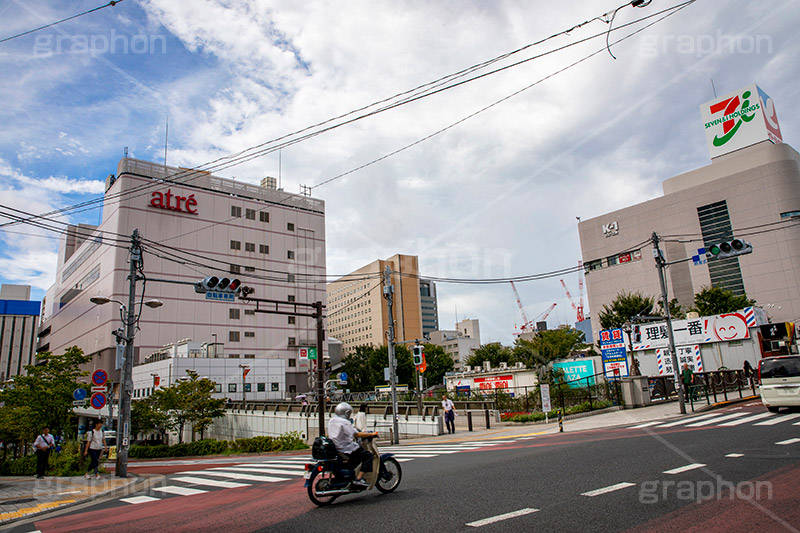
(538, 416)
(65, 463)
(285, 442)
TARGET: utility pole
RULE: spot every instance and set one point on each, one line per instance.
(126, 383)
(320, 371)
(661, 265)
(388, 293)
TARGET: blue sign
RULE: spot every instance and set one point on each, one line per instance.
(343, 376)
(98, 400)
(79, 394)
(221, 296)
(615, 355)
(576, 372)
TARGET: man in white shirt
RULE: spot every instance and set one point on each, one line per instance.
(342, 433)
(95, 447)
(449, 414)
(43, 444)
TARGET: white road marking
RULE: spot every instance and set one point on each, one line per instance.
(645, 425)
(686, 421)
(285, 466)
(747, 419)
(686, 468)
(501, 517)
(610, 488)
(139, 499)
(735, 455)
(778, 420)
(256, 470)
(789, 441)
(180, 491)
(414, 455)
(237, 475)
(210, 482)
(404, 459)
(715, 420)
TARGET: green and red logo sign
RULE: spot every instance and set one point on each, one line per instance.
(739, 119)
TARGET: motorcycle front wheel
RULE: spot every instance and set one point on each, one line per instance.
(320, 482)
(389, 477)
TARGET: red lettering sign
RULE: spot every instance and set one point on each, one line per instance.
(184, 204)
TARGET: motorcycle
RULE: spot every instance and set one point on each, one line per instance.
(330, 477)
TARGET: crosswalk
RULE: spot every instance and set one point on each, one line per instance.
(724, 419)
(192, 482)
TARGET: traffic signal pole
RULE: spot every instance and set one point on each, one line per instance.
(320, 371)
(388, 293)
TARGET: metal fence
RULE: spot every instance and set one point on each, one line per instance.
(719, 385)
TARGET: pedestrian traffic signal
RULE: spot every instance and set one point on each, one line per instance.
(418, 355)
(327, 366)
(213, 283)
(727, 249)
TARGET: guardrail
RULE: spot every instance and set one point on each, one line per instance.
(718, 385)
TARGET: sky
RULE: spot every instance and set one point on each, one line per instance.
(523, 151)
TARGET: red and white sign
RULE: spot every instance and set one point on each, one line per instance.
(494, 382)
(173, 202)
(303, 353)
(245, 371)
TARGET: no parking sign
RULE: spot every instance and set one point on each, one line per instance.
(98, 400)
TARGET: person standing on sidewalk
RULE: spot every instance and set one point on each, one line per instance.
(95, 447)
(449, 414)
(43, 444)
(687, 378)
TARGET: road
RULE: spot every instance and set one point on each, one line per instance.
(660, 476)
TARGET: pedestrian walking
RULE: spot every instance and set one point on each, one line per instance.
(360, 420)
(687, 378)
(95, 447)
(449, 414)
(43, 444)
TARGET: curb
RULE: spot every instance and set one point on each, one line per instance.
(139, 483)
(726, 402)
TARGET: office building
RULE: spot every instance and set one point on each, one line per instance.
(19, 318)
(430, 306)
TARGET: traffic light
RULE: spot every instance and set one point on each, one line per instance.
(327, 366)
(727, 249)
(213, 283)
(417, 352)
(637, 334)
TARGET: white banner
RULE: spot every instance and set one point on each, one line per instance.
(718, 328)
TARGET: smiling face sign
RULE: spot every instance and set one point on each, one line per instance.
(728, 327)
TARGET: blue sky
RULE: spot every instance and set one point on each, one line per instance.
(496, 195)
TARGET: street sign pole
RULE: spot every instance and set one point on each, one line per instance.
(388, 293)
(320, 370)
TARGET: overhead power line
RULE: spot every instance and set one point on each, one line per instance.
(112, 3)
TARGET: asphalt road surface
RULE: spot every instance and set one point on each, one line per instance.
(736, 469)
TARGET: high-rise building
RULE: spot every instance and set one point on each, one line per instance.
(430, 306)
(18, 323)
(192, 224)
(358, 313)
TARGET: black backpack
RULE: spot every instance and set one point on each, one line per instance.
(323, 449)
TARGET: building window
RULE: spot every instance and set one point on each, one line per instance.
(790, 214)
(594, 265)
(261, 387)
(292, 363)
(290, 226)
(275, 387)
(290, 278)
(263, 216)
(248, 387)
(217, 387)
(263, 248)
(250, 214)
(233, 336)
(289, 254)
(236, 245)
(613, 260)
(233, 356)
(233, 314)
(291, 341)
(250, 312)
(290, 298)
(292, 389)
(249, 356)
(231, 387)
(291, 319)
(249, 334)
(236, 269)
(236, 211)
(249, 269)
(249, 247)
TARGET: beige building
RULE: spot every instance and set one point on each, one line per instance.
(358, 313)
(752, 193)
(459, 343)
(193, 224)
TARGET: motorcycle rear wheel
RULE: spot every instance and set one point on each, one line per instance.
(320, 482)
(389, 477)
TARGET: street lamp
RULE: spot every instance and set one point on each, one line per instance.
(244, 375)
(127, 315)
(215, 344)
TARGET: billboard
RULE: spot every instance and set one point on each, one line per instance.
(614, 352)
(738, 119)
(686, 354)
(717, 328)
(577, 370)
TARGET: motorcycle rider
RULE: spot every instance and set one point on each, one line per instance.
(342, 433)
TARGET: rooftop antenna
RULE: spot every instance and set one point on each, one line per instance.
(166, 139)
(280, 186)
(126, 152)
(713, 88)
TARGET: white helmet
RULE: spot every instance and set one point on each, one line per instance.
(343, 410)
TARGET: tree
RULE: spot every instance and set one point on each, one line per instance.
(438, 363)
(146, 417)
(494, 352)
(716, 300)
(188, 401)
(547, 346)
(362, 376)
(625, 306)
(44, 394)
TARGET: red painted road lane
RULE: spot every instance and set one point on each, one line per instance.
(228, 511)
(775, 511)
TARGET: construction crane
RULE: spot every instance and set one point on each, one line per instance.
(525, 322)
(546, 314)
(579, 307)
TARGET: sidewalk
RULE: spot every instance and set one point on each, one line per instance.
(25, 497)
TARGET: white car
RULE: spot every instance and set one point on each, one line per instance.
(780, 381)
